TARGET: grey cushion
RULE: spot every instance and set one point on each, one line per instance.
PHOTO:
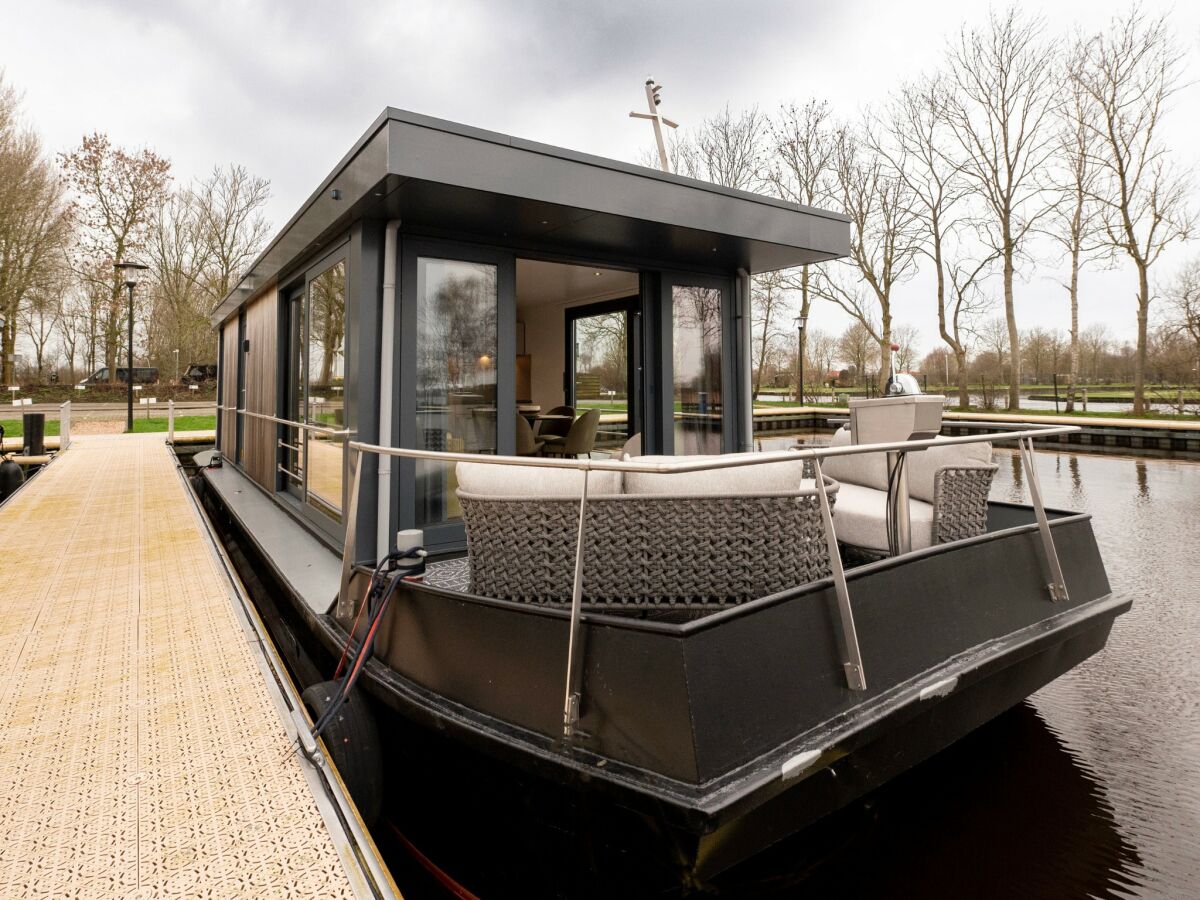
(922, 465)
(486, 480)
(865, 469)
(859, 518)
(768, 478)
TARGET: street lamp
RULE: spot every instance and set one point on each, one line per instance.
(801, 321)
(130, 272)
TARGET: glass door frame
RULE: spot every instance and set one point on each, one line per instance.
(451, 535)
(632, 306)
(288, 391)
(664, 361)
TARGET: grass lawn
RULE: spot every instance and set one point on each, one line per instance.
(182, 423)
(16, 427)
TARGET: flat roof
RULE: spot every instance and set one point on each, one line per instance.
(455, 181)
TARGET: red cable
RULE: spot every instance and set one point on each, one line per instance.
(346, 647)
(431, 867)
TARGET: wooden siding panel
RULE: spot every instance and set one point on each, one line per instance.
(259, 450)
(228, 398)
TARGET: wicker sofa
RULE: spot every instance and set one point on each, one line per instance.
(948, 489)
(716, 537)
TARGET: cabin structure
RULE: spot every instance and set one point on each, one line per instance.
(444, 281)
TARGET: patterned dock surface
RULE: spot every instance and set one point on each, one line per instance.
(141, 753)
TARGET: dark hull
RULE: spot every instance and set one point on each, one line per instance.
(687, 728)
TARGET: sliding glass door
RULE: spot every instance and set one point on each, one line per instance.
(604, 367)
(312, 462)
(457, 394)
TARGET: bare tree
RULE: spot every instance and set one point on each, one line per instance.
(908, 339)
(856, 346)
(802, 141)
(1074, 222)
(35, 221)
(118, 195)
(724, 149)
(232, 226)
(822, 350)
(179, 258)
(999, 112)
(968, 302)
(1182, 295)
(1130, 73)
(885, 238)
(39, 320)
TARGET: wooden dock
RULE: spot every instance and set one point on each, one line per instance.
(145, 751)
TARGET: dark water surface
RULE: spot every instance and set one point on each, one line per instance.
(1092, 787)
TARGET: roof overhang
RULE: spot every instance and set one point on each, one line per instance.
(451, 180)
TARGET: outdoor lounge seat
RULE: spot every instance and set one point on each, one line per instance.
(948, 490)
(714, 537)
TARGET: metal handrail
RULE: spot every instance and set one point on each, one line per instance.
(291, 423)
(852, 663)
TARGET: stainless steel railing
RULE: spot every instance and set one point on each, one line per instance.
(847, 634)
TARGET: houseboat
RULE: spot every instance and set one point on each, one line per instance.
(484, 404)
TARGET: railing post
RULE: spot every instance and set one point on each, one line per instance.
(1057, 584)
(64, 426)
(345, 607)
(171, 421)
(571, 700)
(852, 663)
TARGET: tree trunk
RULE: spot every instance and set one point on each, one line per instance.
(805, 302)
(1073, 378)
(964, 394)
(8, 342)
(1139, 361)
(1014, 339)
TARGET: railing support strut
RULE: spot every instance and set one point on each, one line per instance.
(571, 699)
(1057, 584)
(852, 663)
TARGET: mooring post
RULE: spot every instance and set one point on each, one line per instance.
(170, 421)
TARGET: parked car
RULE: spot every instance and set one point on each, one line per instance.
(199, 373)
(141, 375)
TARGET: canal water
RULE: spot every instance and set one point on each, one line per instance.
(1089, 789)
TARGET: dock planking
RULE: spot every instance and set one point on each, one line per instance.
(141, 750)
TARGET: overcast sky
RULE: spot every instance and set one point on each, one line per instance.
(286, 86)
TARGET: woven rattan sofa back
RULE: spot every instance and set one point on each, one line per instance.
(646, 549)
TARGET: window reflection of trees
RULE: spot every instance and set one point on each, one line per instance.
(601, 351)
(456, 327)
(327, 328)
(697, 339)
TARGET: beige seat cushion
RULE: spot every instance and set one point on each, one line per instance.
(486, 480)
(864, 469)
(768, 478)
(922, 465)
(859, 518)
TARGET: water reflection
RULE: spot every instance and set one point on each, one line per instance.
(1143, 481)
(1007, 811)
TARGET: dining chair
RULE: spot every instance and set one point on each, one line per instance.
(527, 442)
(556, 427)
(580, 438)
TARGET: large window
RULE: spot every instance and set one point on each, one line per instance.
(314, 459)
(456, 375)
(696, 338)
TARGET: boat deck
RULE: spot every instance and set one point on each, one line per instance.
(145, 750)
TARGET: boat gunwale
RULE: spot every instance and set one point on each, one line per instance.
(597, 614)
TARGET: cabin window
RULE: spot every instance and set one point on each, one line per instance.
(696, 338)
(317, 369)
(456, 345)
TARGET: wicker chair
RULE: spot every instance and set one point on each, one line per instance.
(948, 490)
(691, 547)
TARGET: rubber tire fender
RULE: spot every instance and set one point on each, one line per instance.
(353, 741)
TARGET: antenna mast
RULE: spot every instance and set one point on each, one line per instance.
(658, 119)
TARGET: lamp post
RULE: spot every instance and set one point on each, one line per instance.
(130, 272)
(801, 321)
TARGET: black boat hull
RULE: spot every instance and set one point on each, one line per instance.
(711, 740)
